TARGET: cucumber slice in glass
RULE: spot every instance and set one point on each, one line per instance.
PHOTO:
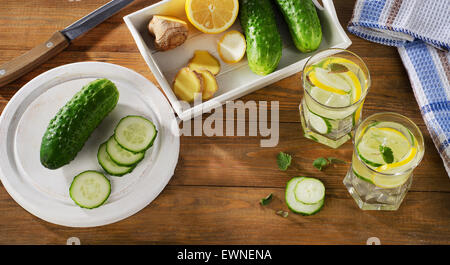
(109, 165)
(90, 189)
(319, 124)
(135, 133)
(296, 206)
(121, 156)
(309, 191)
(361, 177)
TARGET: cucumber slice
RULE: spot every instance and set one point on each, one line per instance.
(319, 124)
(367, 161)
(108, 164)
(361, 177)
(90, 189)
(120, 156)
(309, 191)
(135, 133)
(296, 206)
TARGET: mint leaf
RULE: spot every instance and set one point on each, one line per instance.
(266, 200)
(337, 68)
(320, 163)
(334, 160)
(388, 155)
(284, 161)
(283, 213)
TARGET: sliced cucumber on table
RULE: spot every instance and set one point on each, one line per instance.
(90, 189)
(297, 206)
(135, 133)
(109, 165)
(309, 191)
(121, 156)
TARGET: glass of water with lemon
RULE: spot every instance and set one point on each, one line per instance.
(387, 148)
(335, 83)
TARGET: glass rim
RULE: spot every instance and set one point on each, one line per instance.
(338, 50)
(412, 167)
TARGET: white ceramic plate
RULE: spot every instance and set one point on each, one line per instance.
(235, 80)
(44, 192)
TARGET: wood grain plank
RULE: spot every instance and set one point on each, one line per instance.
(224, 215)
(213, 196)
(240, 161)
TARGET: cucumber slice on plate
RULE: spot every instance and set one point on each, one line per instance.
(120, 156)
(109, 165)
(135, 133)
(90, 189)
(309, 191)
(297, 206)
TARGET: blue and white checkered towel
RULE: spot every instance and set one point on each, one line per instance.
(420, 29)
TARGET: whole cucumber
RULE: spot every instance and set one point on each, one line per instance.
(304, 24)
(73, 124)
(263, 39)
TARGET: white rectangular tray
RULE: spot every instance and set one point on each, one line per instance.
(235, 80)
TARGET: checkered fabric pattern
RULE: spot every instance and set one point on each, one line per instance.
(420, 29)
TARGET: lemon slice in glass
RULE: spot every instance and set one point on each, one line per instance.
(330, 82)
(368, 147)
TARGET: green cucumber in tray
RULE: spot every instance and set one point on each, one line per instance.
(307, 198)
(71, 127)
(304, 24)
(264, 46)
(90, 189)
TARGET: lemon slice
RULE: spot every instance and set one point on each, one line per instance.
(357, 114)
(389, 167)
(356, 85)
(333, 83)
(329, 98)
(350, 75)
(231, 47)
(389, 182)
(212, 16)
(348, 63)
(368, 147)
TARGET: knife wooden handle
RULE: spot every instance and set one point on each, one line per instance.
(21, 65)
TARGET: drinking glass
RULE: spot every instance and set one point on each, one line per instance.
(387, 149)
(335, 83)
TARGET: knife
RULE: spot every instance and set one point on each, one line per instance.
(23, 64)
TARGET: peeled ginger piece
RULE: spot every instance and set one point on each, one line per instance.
(210, 85)
(187, 84)
(169, 32)
(203, 60)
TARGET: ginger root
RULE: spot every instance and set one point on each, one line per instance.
(203, 60)
(187, 84)
(210, 85)
(169, 32)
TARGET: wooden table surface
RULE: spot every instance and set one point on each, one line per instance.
(213, 198)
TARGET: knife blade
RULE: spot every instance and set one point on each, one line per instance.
(94, 18)
(60, 40)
